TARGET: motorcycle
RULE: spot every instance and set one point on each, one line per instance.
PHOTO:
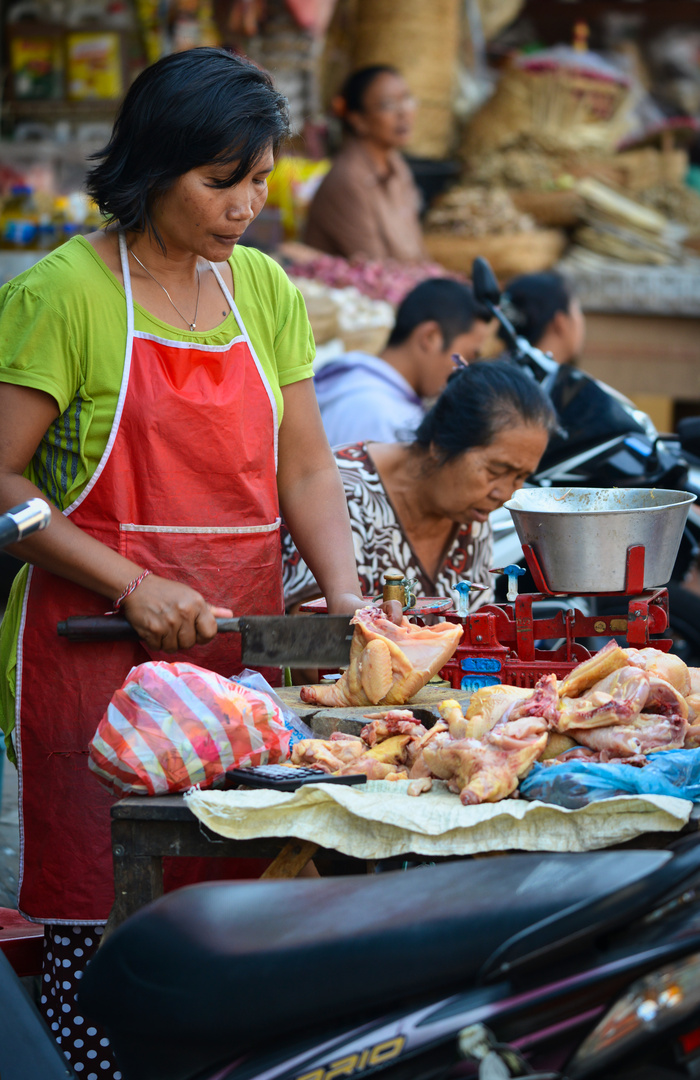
(603, 441)
(551, 966)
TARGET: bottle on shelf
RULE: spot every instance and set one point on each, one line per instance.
(19, 220)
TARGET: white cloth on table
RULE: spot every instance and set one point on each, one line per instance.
(379, 819)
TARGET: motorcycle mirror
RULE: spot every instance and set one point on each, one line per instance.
(486, 289)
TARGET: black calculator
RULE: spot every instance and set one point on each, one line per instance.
(283, 778)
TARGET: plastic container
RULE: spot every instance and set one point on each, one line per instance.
(19, 220)
(581, 535)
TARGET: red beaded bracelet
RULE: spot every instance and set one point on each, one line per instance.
(129, 589)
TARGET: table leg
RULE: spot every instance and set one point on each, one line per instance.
(292, 859)
(138, 879)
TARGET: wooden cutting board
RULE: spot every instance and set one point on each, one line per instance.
(323, 721)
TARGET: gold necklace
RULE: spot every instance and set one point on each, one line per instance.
(192, 324)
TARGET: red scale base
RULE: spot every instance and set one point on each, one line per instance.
(499, 642)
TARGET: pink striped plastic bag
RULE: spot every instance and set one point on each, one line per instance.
(174, 725)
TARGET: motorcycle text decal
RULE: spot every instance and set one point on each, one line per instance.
(355, 1063)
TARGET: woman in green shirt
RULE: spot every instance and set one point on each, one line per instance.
(155, 387)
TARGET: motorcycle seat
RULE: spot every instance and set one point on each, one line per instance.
(216, 970)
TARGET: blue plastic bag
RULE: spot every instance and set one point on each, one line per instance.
(293, 723)
(577, 783)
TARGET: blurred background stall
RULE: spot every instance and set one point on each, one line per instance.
(547, 133)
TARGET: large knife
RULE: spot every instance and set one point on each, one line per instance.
(268, 640)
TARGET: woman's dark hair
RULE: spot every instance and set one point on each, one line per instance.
(531, 301)
(449, 303)
(479, 402)
(356, 86)
(193, 108)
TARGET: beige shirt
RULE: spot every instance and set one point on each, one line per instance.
(358, 212)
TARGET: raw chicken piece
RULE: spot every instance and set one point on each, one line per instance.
(616, 699)
(351, 755)
(663, 665)
(543, 701)
(373, 769)
(391, 751)
(388, 663)
(591, 671)
(329, 755)
(458, 725)
(557, 745)
(417, 787)
(602, 757)
(692, 700)
(665, 699)
(437, 735)
(489, 770)
(692, 735)
(644, 735)
(492, 702)
(394, 722)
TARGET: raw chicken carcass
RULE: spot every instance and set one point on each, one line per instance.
(616, 699)
(645, 734)
(388, 663)
(487, 770)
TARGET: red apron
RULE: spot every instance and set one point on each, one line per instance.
(187, 488)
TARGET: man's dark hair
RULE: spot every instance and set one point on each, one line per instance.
(449, 303)
(480, 401)
(532, 300)
(193, 108)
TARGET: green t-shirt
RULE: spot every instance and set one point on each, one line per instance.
(63, 331)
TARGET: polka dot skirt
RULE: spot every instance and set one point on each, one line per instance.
(67, 949)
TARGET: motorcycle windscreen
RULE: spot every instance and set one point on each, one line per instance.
(588, 411)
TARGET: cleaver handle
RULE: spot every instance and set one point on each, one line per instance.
(116, 628)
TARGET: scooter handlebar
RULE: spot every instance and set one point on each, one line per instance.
(22, 520)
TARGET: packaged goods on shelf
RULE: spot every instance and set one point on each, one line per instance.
(94, 66)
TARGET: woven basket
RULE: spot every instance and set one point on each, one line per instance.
(508, 254)
(554, 209)
(370, 339)
(561, 111)
(424, 46)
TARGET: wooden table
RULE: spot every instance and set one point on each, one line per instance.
(146, 829)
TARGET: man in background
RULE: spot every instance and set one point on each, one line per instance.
(364, 397)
